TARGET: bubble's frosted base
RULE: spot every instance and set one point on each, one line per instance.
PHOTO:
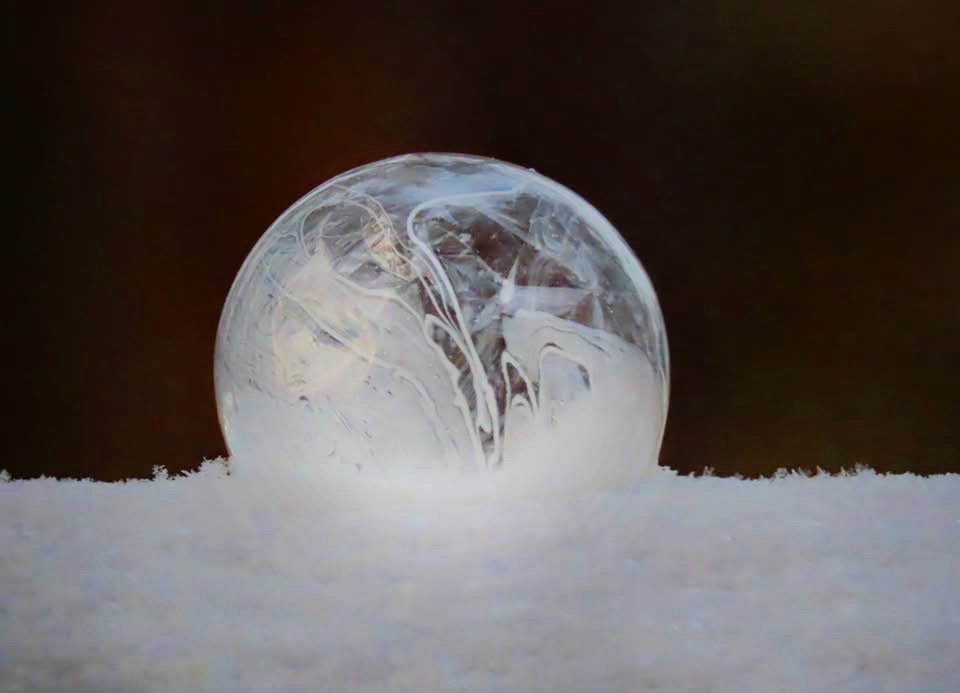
(441, 314)
(572, 437)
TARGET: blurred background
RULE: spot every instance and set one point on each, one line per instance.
(787, 172)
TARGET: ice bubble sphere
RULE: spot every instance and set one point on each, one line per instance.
(433, 314)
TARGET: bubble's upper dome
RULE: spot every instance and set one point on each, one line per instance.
(443, 312)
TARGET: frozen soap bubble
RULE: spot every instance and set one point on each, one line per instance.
(438, 316)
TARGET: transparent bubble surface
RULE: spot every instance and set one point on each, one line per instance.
(433, 315)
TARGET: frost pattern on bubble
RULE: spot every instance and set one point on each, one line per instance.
(440, 311)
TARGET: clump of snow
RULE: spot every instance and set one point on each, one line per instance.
(219, 582)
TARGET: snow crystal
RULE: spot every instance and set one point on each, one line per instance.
(212, 582)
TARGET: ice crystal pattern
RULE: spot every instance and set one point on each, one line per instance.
(437, 311)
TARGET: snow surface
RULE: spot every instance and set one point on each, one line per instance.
(216, 582)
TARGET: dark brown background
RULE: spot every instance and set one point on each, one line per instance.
(786, 171)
